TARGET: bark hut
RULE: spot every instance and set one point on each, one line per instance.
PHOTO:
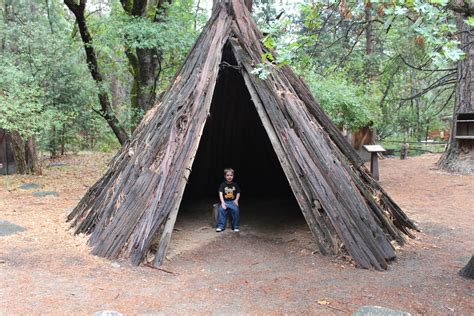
(468, 271)
(138, 198)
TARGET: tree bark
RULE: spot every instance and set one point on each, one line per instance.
(106, 110)
(33, 163)
(52, 143)
(145, 63)
(463, 7)
(63, 140)
(459, 156)
(369, 40)
(248, 5)
(18, 147)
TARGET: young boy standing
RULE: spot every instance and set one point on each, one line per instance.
(229, 195)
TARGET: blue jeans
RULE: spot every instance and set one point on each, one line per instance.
(234, 212)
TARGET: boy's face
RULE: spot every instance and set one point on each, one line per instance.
(229, 176)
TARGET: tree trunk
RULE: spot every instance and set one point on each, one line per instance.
(106, 110)
(146, 68)
(34, 166)
(459, 156)
(18, 147)
(145, 63)
(369, 40)
(52, 143)
(63, 140)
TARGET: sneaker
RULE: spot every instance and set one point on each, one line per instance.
(218, 229)
(236, 230)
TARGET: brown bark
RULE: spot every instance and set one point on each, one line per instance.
(106, 110)
(52, 143)
(32, 156)
(18, 147)
(369, 33)
(369, 40)
(248, 5)
(63, 141)
(464, 7)
(459, 155)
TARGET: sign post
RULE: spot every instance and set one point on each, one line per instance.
(374, 160)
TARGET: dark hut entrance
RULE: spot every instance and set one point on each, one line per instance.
(235, 137)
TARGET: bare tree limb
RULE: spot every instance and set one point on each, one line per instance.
(106, 109)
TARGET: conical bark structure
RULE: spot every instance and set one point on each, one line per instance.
(138, 197)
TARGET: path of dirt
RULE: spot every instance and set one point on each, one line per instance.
(267, 268)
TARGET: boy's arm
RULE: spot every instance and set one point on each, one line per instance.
(236, 201)
(221, 197)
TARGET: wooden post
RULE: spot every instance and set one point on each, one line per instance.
(403, 151)
(374, 166)
(374, 159)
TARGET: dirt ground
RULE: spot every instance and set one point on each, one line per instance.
(267, 268)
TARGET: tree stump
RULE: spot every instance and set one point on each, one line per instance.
(215, 216)
(468, 270)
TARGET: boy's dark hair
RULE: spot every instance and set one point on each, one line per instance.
(228, 170)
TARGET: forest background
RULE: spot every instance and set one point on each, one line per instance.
(79, 75)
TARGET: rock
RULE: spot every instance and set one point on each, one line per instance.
(46, 193)
(368, 310)
(107, 313)
(30, 186)
(7, 228)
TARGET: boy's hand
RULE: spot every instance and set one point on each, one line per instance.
(236, 202)
(224, 206)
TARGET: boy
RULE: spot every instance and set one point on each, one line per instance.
(229, 195)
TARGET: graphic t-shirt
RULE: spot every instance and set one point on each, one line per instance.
(229, 190)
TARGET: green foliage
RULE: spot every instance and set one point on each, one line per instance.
(20, 101)
(45, 87)
(434, 23)
(326, 43)
(470, 21)
(174, 32)
(347, 104)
